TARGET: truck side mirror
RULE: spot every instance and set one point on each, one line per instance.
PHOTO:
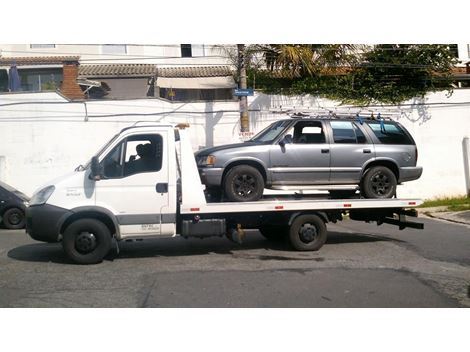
(96, 169)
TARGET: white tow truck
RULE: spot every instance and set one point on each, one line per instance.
(144, 183)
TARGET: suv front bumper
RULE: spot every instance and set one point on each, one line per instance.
(410, 173)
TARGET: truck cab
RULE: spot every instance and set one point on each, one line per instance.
(129, 185)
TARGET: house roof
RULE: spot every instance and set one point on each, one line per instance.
(146, 70)
(117, 70)
(194, 71)
(36, 60)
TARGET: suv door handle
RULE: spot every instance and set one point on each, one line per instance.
(325, 151)
(366, 151)
(162, 187)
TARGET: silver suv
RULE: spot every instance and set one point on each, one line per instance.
(340, 155)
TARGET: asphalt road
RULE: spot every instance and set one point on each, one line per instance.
(361, 265)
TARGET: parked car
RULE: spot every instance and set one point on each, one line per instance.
(12, 207)
(340, 155)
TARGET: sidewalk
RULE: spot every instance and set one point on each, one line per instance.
(462, 217)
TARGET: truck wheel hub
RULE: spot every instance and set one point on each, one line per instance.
(85, 242)
(307, 233)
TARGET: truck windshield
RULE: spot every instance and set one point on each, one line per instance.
(271, 132)
(102, 149)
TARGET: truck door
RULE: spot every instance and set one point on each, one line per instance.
(135, 185)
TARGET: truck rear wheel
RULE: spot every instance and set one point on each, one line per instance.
(86, 241)
(308, 233)
(273, 232)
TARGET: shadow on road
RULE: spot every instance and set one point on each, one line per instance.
(172, 247)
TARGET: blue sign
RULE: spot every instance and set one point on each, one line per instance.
(238, 92)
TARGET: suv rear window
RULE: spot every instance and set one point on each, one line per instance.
(391, 133)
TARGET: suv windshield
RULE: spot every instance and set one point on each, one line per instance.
(271, 132)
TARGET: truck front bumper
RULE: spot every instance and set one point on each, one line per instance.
(410, 173)
(211, 176)
(43, 222)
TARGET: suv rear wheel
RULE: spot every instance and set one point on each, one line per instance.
(243, 183)
(379, 182)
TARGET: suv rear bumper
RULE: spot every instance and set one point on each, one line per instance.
(410, 173)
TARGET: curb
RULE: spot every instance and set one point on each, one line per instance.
(450, 216)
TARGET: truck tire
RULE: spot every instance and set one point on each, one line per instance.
(273, 232)
(86, 241)
(307, 233)
(13, 219)
(243, 183)
(379, 182)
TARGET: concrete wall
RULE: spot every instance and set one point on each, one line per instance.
(43, 136)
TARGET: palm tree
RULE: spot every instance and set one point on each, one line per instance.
(309, 59)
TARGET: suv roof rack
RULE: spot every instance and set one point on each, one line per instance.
(338, 116)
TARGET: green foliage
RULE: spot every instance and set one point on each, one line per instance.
(453, 204)
(388, 73)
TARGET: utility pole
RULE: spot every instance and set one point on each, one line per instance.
(244, 119)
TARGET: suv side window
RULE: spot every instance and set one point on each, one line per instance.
(134, 155)
(308, 132)
(390, 133)
(347, 132)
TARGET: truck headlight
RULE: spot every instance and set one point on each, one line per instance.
(42, 196)
(208, 160)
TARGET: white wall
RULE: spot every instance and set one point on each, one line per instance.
(40, 141)
(163, 54)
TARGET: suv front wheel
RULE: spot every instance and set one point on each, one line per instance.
(379, 182)
(243, 183)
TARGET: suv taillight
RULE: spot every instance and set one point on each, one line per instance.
(416, 149)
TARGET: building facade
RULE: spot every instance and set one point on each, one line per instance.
(177, 72)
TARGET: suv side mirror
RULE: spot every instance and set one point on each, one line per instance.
(287, 139)
(96, 169)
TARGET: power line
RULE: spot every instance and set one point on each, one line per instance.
(118, 57)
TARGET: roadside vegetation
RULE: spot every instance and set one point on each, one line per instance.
(452, 204)
(352, 74)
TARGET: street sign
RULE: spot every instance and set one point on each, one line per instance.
(238, 92)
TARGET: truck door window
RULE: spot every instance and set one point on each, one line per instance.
(136, 154)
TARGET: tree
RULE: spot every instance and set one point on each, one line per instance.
(356, 74)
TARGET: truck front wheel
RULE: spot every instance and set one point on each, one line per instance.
(86, 241)
(307, 233)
